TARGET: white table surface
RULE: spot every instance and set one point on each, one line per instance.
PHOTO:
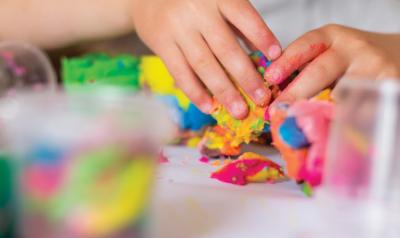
(188, 203)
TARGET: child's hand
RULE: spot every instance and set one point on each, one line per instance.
(326, 54)
(196, 39)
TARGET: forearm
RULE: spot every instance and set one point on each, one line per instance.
(55, 23)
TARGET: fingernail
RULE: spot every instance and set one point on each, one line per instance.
(261, 96)
(238, 109)
(206, 108)
(273, 76)
(274, 52)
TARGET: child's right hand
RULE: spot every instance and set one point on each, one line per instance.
(196, 39)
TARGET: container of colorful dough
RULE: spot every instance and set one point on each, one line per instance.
(84, 162)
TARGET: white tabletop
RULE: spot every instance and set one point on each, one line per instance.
(188, 203)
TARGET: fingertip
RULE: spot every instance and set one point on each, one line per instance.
(238, 109)
(262, 96)
(273, 75)
(207, 106)
(274, 52)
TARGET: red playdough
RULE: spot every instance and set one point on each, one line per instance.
(204, 159)
(249, 167)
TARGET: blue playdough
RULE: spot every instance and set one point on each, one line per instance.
(267, 128)
(195, 119)
(176, 112)
(192, 119)
(45, 153)
(292, 135)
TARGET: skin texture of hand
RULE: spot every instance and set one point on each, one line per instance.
(197, 41)
(56, 23)
(326, 54)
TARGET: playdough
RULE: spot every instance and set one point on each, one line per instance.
(250, 168)
(226, 138)
(101, 70)
(146, 73)
(300, 133)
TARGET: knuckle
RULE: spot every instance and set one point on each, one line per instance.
(321, 70)
(177, 71)
(245, 76)
(178, 80)
(226, 94)
(261, 32)
(333, 28)
(200, 59)
(314, 34)
(196, 95)
(169, 17)
(227, 50)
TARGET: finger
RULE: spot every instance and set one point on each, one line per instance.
(317, 76)
(186, 79)
(211, 73)
(246, 19)
(298, 54)
(250, 46)
(223, 43)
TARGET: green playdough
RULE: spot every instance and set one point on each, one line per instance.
(101, 70)
(6, 206)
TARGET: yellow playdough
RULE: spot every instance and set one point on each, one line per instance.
(100, 219)
(230, 132)
(156, 77)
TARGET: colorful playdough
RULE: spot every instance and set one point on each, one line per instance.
(300, 133)
(230, 134)
(146, 73)
(250, 168)
(156, 78)
(299, 129)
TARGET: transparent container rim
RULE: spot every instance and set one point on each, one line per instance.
(51, 75)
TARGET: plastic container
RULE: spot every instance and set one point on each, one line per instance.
(23, 66)
(360, 196)
(85, 162)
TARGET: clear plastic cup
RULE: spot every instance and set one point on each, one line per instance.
(23, 66)
(85, 162)
(360, 196)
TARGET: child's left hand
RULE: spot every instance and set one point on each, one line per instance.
(328, 53)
